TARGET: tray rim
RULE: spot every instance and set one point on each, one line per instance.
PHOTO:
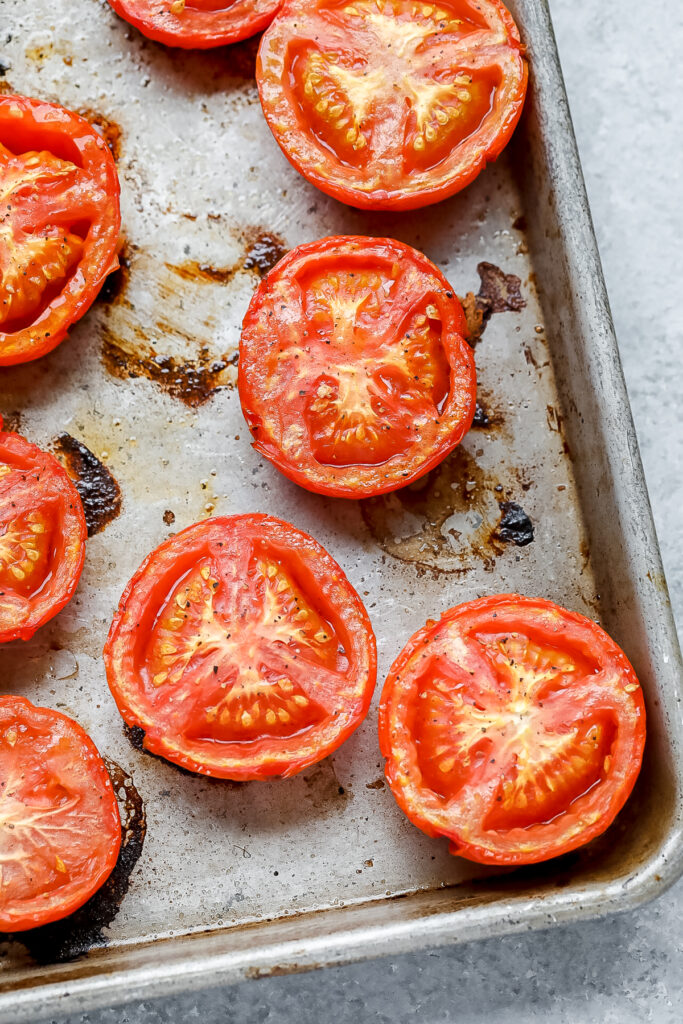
(201, 966)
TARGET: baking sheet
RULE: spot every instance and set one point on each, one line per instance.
(146, 382)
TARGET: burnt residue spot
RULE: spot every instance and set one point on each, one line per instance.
(442, 521)
(264, 250)
(114, 284)
(104, 126)
(76, 935)
(193, 381)
(169, 517)
(486, 416)
(519, 223)
(4, 68)
(481, 417)
(498, 293)
(99, 491)
(377, 784)
(515, 526)
(474, 315)
(135, 735)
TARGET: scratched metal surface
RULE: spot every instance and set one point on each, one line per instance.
(146, 382)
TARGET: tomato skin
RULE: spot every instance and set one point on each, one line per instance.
(200, 25)
(610, 692)
(32, 480)
(273, 412)
(375, 181)
(92, 189)
(218, 545)
(52, 755)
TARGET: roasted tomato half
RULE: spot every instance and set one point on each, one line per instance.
(354, 376)
(391, 104)
(197, 24)
(514, 728)
(59, 224)
(42, 537)
(60, 831)
(241, 649)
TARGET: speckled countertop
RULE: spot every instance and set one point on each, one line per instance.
(625, 80)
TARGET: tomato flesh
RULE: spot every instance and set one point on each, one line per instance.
(197, 24)
(59, 224)
(354, 376)
(60, 831)
(42, 537)
(242, 650)
(391, 103)
(513, 727)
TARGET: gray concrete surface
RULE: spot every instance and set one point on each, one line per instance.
(622, 62)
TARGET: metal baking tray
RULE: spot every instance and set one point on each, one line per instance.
(235, 881)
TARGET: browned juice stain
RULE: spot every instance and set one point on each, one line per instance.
(324, 787)
(193, 381)
(262, 250)
(99, 491)
(83, 930)
(442, 520)
(11, 421)
(169, 517)
(498, 293)
(104, 126)
(131, 343)
(455, 514)
(39, 54)
(555, 421)
(191, 270)
(6, 88)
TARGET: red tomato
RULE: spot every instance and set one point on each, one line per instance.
(42, 537)
(241, 649)
(354, 376)
(391, 104)
(59, 226)
(513, 727)
(197, 24)
(60, 831)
